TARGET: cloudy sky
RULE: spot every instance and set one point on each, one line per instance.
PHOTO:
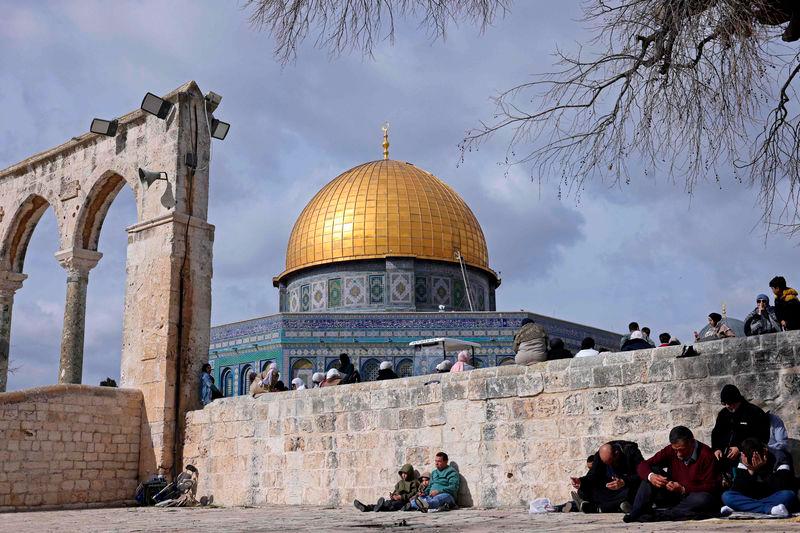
(645, 251)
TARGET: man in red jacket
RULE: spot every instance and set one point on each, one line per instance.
(682, 479)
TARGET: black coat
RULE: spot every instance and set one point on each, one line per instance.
(386, 373)
(635, 344)
(774, 476)
(732, 428)
(558, 353)
(626, 469)
(788, 311)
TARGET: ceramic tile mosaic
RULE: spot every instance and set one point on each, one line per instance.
(376, 289)
(401, 288)
(421, 289)
(319, 295)
(355, 291)
(305, 298)
(335, 292)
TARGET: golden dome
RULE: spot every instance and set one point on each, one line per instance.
(385, 209)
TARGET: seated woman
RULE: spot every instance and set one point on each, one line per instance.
(717, 329)
(266, 381)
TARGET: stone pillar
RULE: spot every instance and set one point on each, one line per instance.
(77, 262)
(10, 283)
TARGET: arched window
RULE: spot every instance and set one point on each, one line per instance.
(227, 382)
(244, 379)
(333, 363)
(369, 370)
(505, 361)
(266, 363)
(405, 368)
(303, 369)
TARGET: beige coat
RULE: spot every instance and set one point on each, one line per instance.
(530, 345)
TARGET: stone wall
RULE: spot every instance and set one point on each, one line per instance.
(68, 445)
(515, 432)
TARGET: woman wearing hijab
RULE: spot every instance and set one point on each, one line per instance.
(266, 381)
(386, 372)
(317, 378)
(347, 370)
(297, 384)
(463, 362)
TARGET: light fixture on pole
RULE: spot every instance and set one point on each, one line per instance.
(212, 101)
(104, 127)
(147, 178)
(219, 129)
(155, 105)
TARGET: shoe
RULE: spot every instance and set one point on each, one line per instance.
(379, 505)
(626, 507)
(568, 507)
(588, 507)
(779, 510)
(445, 507)
(628, 519)
(421, 504)
(725, 511)
(360, 506)
(407, 507)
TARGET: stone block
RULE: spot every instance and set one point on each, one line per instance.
(761, 385)
(632, 373)
(607, 376)
(641, 398)
(573, 404)
(729, 363)
(454, 391)
(530, 384)
(411, 418)
(477, 389)
(501, 386)
(660, 370)
(580, 378)
(555, 381)
(602, 400)
(690, 368)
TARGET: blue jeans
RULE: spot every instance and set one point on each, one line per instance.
(434, 502)
(739, 502)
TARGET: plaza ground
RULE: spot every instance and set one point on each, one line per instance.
(306, 518)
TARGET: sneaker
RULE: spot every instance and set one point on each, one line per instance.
(725, 511)
(379, 505)
(360, 506)
(421, 504)
(407, 507)
(626, 507)
(779, 510)
(628, 519)
(445, 507)
(568, 507)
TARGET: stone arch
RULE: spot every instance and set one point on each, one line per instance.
(369, 369)
(303, 369)
(226, 382)
(95, 208)
(405, 368)
(244, 379)
(18, 236)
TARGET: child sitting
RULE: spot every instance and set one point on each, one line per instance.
(404, 490)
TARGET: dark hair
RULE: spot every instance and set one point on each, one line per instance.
(587, 343)
(443, 456)
(251, 377)
(601, 350)
(750, 445)
(191, 468)
(207, 365)
(590, 459)
(281, 386)
(646, 330)
(779, 282)
(730, 394)
(664, 338)
(526, 321)
(680, 434)
(633, 326)
(716, 317)
(556, 344)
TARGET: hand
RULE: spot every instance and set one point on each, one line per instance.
(674, 486)
(615, 484)
(396, 497)
(435, 492)
(733, 452)
(576, 482)
(718, 454)
(757, 462)
(657, 481)
(783, 325)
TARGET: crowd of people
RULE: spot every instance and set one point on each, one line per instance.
(747, 468)
(532, 344)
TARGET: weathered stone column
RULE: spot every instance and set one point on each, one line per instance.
(77, 262)
(10, 283)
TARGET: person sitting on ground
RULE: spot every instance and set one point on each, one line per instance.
(689, 491)
(348, 370)
(317, 378)
(332, 378)
(717, 329)
(646, 336)
(266, 381)
(787, 305)
(636, 342)
(298, 384)
(557, 350)
(778, 437)
(764, 483)
(385, 371)
(530, 343)
(762, 319)
(587, 348)
(462, 363)
(404, 490)
(736, 421)
(612, 481)
(444, 367)
(424, 485)
(664, 339)
(633, 326)
(443, 488)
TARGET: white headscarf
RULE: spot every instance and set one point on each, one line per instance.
(317, 378)
(298, 384)
(271, 377)
(386, 365)
(333, 373)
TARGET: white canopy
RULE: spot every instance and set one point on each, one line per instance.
(449, 344)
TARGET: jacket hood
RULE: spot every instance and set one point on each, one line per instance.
(408, 469)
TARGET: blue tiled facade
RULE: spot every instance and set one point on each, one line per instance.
(301, 343)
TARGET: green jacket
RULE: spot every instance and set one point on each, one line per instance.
(407, 489)
(446, 480)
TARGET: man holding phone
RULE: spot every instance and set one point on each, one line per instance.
(612, 481)
(682, 477)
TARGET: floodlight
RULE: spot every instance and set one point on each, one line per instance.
(147, 178)
(212, 101)
(219, 129)
(104, 127)
(155, 105)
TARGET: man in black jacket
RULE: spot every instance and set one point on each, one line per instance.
(611, 484)
(737, 421)
(764, 482)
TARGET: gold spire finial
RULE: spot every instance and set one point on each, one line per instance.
(385, 140)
